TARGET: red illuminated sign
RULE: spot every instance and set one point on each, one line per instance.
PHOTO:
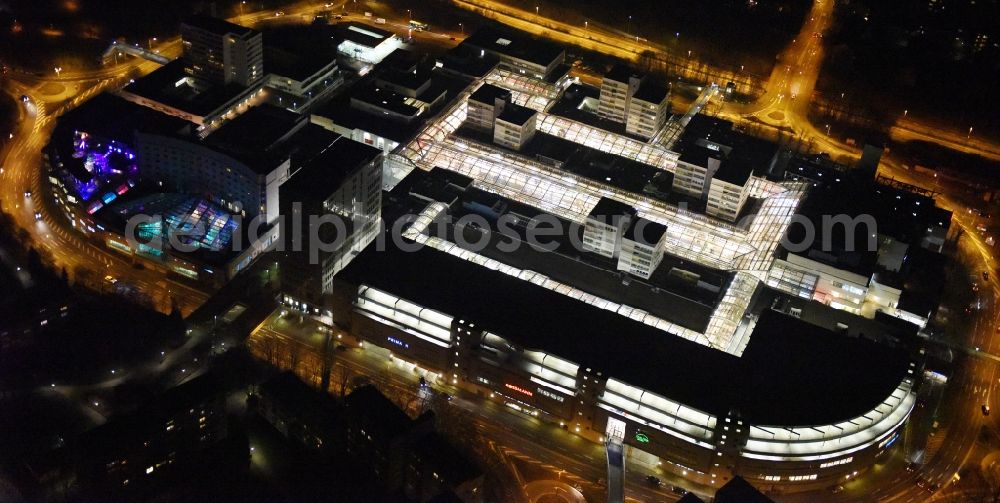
(518, 389)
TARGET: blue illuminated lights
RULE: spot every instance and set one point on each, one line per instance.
(191, 221)
(398, 342)
(102, 165)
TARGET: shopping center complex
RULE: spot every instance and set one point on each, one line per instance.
(582, 255)
(708, 361)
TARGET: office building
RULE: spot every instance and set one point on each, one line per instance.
(605, 226)
(221, 52)
(636, 100)
(342, 182)
(617, 88)
(239, 166)
(514, 126)
(647, 109)
(729, 189)
(641, 247)
(717, 162)
(485, 105)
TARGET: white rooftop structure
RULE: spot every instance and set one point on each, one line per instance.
(746, 250)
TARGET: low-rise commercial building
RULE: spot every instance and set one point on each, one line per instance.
(366, 43)
(521, 53)
(302, 67)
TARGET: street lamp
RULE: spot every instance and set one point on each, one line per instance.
(59, 69)
(242, 4)
(905, 112)
(536, 10)
(409, 15)
(462, 27)
(969, 136)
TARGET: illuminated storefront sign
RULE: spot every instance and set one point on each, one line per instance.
(641, 437)
(518, 389)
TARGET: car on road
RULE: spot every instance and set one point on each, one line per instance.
(986, 409)
(452, 38)
(38, 216)
(837, 489)
(110, 279)
(986, 275)
(279, 13)
(27, 194)
(678, 490)
(653, 480)
(24, 98)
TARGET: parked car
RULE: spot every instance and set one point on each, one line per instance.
(653, 480)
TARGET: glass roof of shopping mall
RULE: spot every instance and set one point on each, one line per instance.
(747, 250)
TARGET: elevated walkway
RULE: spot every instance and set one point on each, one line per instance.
(134, 50)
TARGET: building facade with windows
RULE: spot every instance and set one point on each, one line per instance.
(617, 88)
(647, 109)
(221, 52)
(642, 246)
(605, 227)
(485, 105)
(514, 126)
(769, 429)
